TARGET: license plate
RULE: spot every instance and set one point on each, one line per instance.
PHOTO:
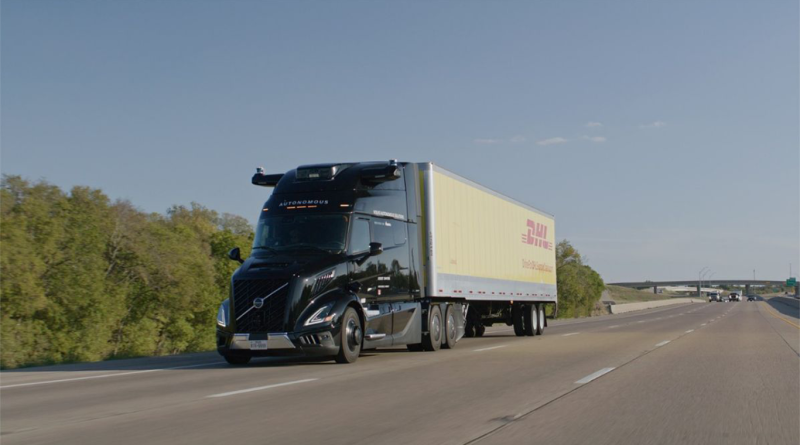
(258, 344)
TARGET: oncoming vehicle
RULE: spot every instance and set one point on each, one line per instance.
(752, 298)
(735, 296)
(714, 296)
(356, 256)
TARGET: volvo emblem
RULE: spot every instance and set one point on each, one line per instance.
(258, 303)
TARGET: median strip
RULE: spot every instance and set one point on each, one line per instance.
(594, 375)
(260, 388)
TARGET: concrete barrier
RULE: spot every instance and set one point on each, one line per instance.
(630, 307)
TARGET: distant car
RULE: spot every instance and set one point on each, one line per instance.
(725, 299)
(714, 296)
(735, 296)
(751, 298)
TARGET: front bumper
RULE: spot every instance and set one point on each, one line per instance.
(279, 344)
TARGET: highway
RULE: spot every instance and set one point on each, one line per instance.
(703, 373)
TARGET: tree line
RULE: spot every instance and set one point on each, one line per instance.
(83, 278)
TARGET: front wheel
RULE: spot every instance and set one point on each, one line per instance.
(351, 336)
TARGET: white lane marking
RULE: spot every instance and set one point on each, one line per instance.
(612, 327)
(260, 388)
(108, 375)
(594, 375)
(703, 324)
(487, 349)
(571, 333)
(689, 331)
(641, 321)
(662, 343)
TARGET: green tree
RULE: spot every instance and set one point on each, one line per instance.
(579, 286)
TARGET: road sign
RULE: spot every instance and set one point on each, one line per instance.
(791, 282)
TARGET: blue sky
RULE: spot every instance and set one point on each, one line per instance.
(663, 135)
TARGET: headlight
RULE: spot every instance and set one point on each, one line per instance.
(322, 315)
(222, 313)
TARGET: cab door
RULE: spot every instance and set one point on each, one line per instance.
(366, 271)
(393, 265)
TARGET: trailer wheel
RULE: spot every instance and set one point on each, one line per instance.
(432, 341)
(540, 325)
(530, 316)
(480, 330)
(449, 338)
(516, 319)
(237, 359)
(351, 336)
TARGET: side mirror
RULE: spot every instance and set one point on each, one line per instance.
(375, 249)
(236, 255)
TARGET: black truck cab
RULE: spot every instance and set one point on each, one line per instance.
(336, 267)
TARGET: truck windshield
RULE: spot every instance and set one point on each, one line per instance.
(325, 233)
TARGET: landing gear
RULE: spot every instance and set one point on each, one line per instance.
(471, 323)
(351, 337)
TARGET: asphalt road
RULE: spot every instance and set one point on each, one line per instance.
(704, 373)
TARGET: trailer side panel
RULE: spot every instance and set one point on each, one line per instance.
(482, 245)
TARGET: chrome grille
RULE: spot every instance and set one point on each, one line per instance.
(270, 317)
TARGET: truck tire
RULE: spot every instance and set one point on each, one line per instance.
(237, 360)
(530, 319)
(449, 337)
(540, 315)
(351, 337)
(432, 341)
(480, 330)
(516, 318)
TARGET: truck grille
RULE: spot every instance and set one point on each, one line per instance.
(270, 317)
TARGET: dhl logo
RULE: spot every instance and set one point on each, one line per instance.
(537, 235)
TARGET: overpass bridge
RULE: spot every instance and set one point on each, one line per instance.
(696, 283)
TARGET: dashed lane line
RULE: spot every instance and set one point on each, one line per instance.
(103, 376)
(260, 388)
(594, 375)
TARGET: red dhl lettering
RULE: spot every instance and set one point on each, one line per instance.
(537, 235)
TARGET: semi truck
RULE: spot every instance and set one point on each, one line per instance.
(362, 255)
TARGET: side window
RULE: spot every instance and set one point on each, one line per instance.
(359, 238)
(383, 232)
(399, 234)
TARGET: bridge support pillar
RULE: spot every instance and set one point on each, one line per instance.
(747, 289)
(655, 289)
(699, 293)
